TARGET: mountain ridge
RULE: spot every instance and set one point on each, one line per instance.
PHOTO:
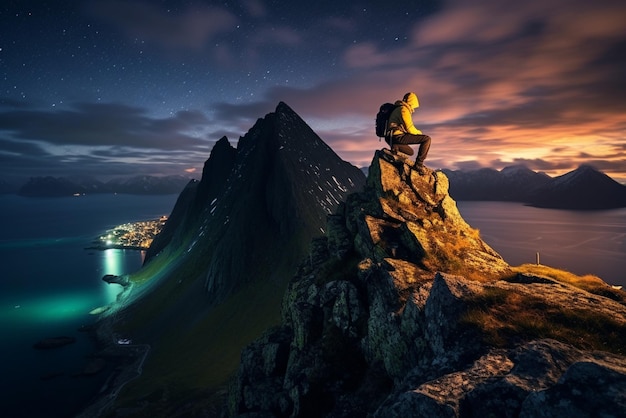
(584, 188)
(214, 277)
(593, 190)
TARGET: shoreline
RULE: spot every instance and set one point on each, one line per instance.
(124, 360)
(115, 247)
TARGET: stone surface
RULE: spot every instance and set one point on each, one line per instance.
(374, 322)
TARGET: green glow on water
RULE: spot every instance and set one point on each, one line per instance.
(56, 308)
(49, 309)
(112, 262)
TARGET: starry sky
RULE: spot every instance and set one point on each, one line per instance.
(110, 88)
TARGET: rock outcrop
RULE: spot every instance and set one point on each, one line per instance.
(402, 310)
(113, 279)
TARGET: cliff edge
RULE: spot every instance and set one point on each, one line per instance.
(402, 310)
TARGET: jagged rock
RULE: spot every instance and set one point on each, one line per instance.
(376, 323)
(419, 220)
(589, 387)
(451, 343)
(113, 279)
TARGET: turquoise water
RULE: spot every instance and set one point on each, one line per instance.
(48, 284)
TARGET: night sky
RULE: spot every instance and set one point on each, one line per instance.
(119, 88)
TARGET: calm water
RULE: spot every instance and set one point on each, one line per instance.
(49, 283)
(583, 242)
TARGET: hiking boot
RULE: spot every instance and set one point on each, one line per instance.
(422, 169)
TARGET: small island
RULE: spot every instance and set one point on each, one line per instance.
(130, 236)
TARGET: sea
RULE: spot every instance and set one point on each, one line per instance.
(50, 280)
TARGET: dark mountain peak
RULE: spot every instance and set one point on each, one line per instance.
(238, 235)
(222, 143)
(583, 173)
(233, 240)
(516, 170)
(512, 183)
(583, 188)
(587, 168)
(284, 109)
(216, 170)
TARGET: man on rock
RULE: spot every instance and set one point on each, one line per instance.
(402, 132)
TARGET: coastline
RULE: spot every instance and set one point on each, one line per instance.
(125, 361)
(52, 284)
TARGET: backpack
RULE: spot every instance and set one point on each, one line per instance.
(382, 118)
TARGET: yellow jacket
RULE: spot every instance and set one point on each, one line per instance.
(400, 120)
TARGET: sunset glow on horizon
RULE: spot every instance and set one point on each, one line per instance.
(105, 91)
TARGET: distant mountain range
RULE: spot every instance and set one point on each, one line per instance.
(582, 189)
(61, 186)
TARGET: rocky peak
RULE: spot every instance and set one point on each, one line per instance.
(584, 188)
(413, 218)
(280, 182)
(388, 317)
(217, 271)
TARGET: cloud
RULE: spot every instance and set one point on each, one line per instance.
(496, 90)
(103, 125)
(539, 82)
(96, 137)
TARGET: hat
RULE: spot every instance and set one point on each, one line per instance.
(411, 100)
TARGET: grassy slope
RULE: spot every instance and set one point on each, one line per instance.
(506, 317)
(204, 356)
(195, 345)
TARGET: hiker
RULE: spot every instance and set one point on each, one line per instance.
(402, 132)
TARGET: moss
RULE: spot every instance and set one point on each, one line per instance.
(589, 283)
(204, 356)
(507, 318)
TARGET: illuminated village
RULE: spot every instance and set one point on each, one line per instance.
(133, 235)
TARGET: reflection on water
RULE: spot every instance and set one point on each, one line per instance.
(48, 286)
(116, 262)
(583, 242)
(47, 309)
(50, 292)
